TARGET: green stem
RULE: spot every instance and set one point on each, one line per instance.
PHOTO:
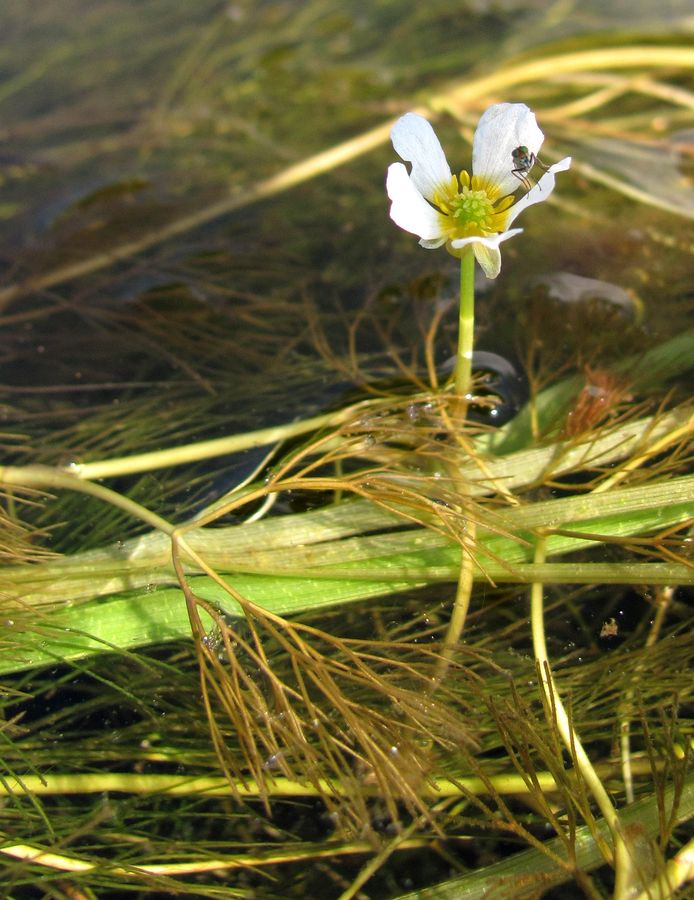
(466, 324)
(461, 381)
(188, 453)
(45, 477)
(461, 605)
(56, 783)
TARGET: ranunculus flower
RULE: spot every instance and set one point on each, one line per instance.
(476, 209)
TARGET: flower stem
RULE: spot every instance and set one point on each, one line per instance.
(462, 378)
(466, 324)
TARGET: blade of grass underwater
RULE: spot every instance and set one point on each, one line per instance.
(319, 545)
(144, 619)
(146, 561)
(158, 616)
(422, 555)
(358, 568)
(553, 460)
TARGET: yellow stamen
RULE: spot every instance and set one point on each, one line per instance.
(472, 207)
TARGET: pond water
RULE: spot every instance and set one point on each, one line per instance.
(160, 284)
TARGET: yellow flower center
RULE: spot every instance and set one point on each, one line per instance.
(471, 207)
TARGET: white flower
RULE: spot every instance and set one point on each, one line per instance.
(476, 210)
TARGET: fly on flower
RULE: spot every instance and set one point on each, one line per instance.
(465, 210)
(524, 160)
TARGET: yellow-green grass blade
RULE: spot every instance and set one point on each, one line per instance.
(360, 568)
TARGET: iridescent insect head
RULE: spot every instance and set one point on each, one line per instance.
(524, 160)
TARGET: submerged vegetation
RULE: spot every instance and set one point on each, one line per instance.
(285, 611)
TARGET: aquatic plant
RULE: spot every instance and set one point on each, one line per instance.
(469, 214)
(219, 672)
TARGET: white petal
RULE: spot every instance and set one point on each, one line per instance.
(486, 250)
(501, 129)
(432, 244)
(415, 141)
(540, 191)
(409, 209)
(489, 259)
(492, 241)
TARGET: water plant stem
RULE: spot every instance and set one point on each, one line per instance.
(466, 325)
(461, 604)
(624, 877)
(46, 477)
(188, 453)
(462, 378)
(56, 783)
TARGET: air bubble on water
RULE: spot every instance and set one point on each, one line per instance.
(273, 761)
